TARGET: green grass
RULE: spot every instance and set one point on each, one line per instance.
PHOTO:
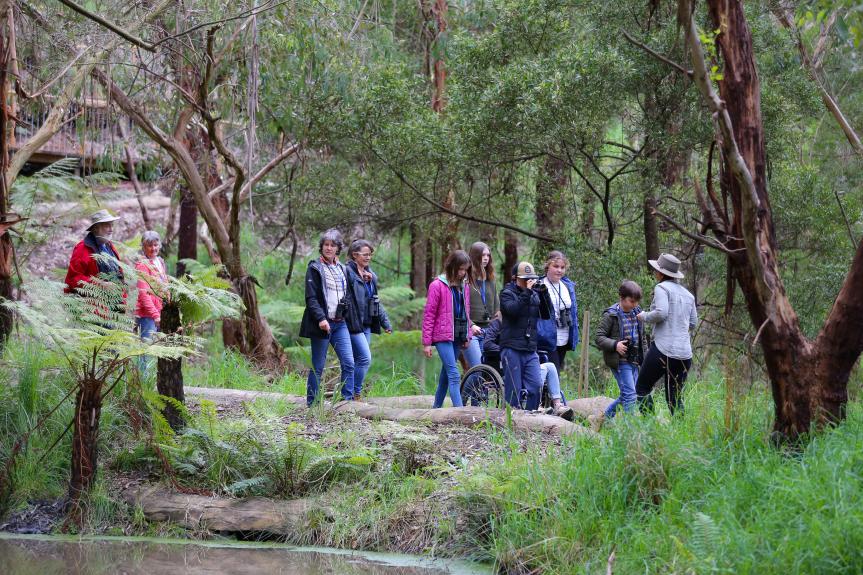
(681, 495)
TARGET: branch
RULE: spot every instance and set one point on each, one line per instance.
(702, 239)
(268, 167)
(451, 212)
(245, 14)
(787, 21)
(109, 25)
(657, 55)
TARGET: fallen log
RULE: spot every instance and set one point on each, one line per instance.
(416, 408)
(235, 395)
(405, 401)
(468, 416)
(583, 406)
(253, 514)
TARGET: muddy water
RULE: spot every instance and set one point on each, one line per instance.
(42, 555)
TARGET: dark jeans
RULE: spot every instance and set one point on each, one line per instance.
(658, 365)
(521, 377)
(558, 356)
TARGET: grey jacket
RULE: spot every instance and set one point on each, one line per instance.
(673, 315)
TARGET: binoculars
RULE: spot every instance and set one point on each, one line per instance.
(565, 318)
(341, 309)
(460, 329)
(374, 306)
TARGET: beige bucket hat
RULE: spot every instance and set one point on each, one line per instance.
(101, 217)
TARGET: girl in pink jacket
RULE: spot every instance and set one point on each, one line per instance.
(446, 324)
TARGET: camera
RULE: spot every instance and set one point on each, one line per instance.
(631, 351)
(374, 306)
(460, 329)
(564, 319)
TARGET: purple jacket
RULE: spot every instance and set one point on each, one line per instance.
(438, 315)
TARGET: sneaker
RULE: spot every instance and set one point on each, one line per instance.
(596, 420)
(564, 411)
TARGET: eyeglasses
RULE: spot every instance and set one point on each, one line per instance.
(364, 255)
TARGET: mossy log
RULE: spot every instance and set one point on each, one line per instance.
(253, 514)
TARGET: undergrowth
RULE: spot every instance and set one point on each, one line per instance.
(682, 495)
(656, 494)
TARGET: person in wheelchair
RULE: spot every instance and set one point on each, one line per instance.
(551, 394)
(491, 345)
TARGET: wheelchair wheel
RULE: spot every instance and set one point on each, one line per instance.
(482, 385)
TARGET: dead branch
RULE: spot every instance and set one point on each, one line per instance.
(657, 55)
(109, 25)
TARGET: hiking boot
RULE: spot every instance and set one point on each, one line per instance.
(563, 411)
(596, 420)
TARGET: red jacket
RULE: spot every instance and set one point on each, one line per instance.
(149, 303)
(82, 266)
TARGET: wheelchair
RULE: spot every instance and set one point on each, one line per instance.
(482, 385)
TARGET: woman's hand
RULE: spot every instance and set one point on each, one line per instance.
(640, 316)
(475, 329)
(324, 325)
(427, 350)
(388, 330)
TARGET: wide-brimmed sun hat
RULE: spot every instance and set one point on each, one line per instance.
(102, 217)
(667, 264)
(524, 271)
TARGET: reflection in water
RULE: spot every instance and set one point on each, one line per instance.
(54, 556)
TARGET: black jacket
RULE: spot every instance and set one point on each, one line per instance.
(520, 310)
(361, 296)
(316, 303)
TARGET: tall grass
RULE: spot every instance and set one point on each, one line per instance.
(682, 495)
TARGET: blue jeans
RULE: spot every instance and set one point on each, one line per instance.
(449, 378)
(521, 377)
(626, 375)
(473, 353)
(146, 329)
(548, 374)
(361, 346)
(340, 339)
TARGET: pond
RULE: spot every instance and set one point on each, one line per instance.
(50, 555)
